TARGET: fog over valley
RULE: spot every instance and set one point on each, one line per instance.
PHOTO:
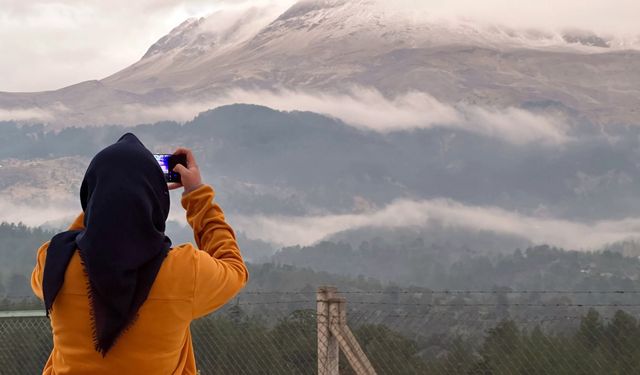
(579, 194)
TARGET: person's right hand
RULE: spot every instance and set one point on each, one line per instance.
(189, 175)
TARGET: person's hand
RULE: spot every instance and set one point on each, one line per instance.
(189, 175)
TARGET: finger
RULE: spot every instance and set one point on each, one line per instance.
(180, 169)
(180, 150)
(191, 160)
(173, 185)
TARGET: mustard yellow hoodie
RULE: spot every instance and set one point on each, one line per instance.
(190, 284)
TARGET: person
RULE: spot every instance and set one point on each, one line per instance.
(120, 298)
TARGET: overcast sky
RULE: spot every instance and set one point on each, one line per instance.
(48, 44)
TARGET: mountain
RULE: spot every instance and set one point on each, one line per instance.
(332, 46)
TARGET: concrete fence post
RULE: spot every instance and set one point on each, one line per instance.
(334, 335)
(328, 347)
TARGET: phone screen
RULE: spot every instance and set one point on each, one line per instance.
(167, 162)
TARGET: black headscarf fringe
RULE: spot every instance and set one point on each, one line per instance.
(92, 307)
(92, 317)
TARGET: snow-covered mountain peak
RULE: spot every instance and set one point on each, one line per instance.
(177, 38)
(369, 24)
(307, 6)
(213, 34)
(334, 46)
(377, 22)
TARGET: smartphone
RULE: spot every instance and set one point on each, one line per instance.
(168, 162)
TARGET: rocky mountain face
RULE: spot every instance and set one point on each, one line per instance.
(331, 46)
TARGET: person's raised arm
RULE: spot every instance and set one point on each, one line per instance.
(220, 269)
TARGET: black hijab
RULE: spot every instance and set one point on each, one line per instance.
(125, 200)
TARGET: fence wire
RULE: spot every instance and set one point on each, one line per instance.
(400, 332)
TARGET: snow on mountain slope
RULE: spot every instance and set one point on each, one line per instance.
(193, 44)
(328, 47)
(244, 48)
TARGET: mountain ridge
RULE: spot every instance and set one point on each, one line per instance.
(319, 47)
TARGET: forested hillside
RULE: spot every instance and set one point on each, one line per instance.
(378, 264)
(413, 262)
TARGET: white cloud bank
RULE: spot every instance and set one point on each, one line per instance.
(60, 209)
(35, 114)
(36, 215)
(307, 230)
(26, 114)
(368, 109)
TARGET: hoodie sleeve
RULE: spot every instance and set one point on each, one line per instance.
(41, 256)
(220, 271)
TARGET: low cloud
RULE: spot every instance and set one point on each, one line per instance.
(368, 109)
(423, 214)
(307, 230)
(59, 209)
(514, 125)
(57, 215)
(31, 114)
(52, 113)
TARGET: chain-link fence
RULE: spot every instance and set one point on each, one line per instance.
(399, 332)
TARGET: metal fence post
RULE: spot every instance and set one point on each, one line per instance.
(328, 349)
